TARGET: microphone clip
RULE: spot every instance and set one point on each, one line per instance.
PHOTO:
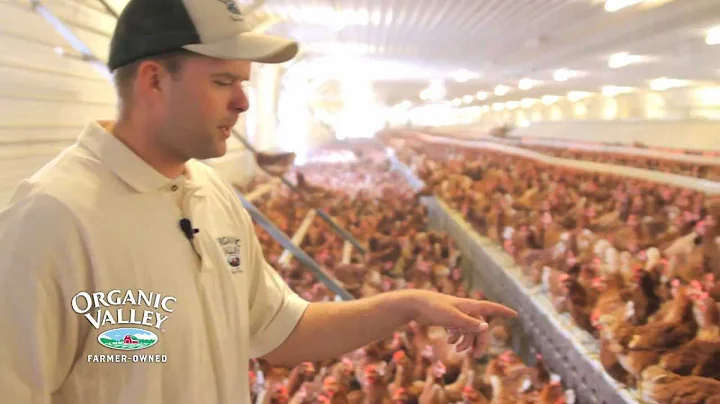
(189, 232)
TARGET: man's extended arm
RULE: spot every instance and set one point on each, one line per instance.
(328, 330)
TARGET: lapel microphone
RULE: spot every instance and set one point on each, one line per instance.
(189, 232)
(187, 229)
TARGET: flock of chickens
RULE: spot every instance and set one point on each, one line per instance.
(704, 171)
(635, 264)
(415, 365)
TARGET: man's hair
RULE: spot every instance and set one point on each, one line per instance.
(124, 76)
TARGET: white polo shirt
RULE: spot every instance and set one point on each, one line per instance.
(94, 265)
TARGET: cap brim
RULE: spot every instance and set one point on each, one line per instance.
(249, 46)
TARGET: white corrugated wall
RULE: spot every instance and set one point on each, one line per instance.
(46, 99)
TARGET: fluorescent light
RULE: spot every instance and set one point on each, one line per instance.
(708, 96)
(526, 84)
(481, 95)
(574, 96)
(468, 99)
(565, 74)
(611, 91)
(713, 36)
(462, 75)
(528, 102)
(363, 17)
(340, 48)
(615, 5)
(498, 106)
(502, 90)
(436, 91)
(321, 15)
(550, 99)
(512, 105)
(376, 17)
(622, 59)
(402, 106)
(664, 83)
(389, 18)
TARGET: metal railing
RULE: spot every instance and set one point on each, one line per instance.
(332, 284)
(336, 227)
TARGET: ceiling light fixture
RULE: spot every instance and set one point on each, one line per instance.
(402, 106)
(526, 84)
(389, 18)
(565, 74)
(664, 83)
(574, 96)
(481, 95)
(611, 91)
(376, 17)
(498, 106)
(550, 99)
(463, 76)
(615, 5)
(501, 90)
(713, 36)
(528, 102)
(623, 59)
(434, 92)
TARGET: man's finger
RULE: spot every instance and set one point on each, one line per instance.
(488, 309)
(481, 343)
(467, 342)
(466, 323)
(453, 335)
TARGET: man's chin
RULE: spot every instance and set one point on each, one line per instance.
(219, 150)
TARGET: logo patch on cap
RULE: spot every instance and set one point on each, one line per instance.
(234, 8)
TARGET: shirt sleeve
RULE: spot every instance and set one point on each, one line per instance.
(275, 309)
(42, 263)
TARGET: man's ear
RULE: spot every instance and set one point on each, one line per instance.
(149, 80)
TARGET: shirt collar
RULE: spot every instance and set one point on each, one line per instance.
(122, 160)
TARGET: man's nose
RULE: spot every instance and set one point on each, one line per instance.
(239, 102)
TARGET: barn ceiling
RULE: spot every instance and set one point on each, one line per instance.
(472, 46)
(476, 45)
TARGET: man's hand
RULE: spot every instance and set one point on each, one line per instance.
(464, 319)
(330, 329)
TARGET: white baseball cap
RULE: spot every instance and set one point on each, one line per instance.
(213, 28)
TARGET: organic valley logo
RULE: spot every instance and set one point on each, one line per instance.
(231, 248)
(100, 310)
(127, 339)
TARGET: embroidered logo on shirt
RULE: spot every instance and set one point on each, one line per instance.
(231, 248)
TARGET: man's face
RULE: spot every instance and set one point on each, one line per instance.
(202, 105)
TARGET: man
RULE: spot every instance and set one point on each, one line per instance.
(131, 274)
